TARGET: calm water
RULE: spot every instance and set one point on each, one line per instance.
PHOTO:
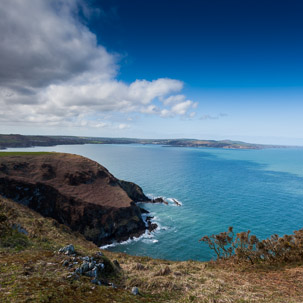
(260, 190)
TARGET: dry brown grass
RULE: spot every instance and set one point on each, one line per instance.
(192, 281)
(36, 274)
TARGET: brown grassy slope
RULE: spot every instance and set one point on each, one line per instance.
(94, 183)
(36, 274)
(75, 191)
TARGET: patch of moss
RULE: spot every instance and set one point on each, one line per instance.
(10, 238)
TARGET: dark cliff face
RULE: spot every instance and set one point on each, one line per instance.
(75, 191)
(134, 191)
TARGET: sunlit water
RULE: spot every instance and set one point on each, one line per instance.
(260, 190)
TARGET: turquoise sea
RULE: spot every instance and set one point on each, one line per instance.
(259, 190)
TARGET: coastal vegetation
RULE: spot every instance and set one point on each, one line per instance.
(244, 247)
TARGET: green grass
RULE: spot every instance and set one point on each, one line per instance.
(14, 240)
(9, 154)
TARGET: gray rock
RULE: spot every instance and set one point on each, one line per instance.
(100, 266)
(135, 291)
(65, 263)
(86, 258)
(67, 250)
(95, 272)
(90, 273)
(91, 265)
(84, 267)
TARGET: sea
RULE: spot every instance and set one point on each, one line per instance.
(256, 190)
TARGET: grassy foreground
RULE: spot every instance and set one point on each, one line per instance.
(31, 271)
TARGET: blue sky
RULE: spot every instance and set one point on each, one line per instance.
(154, 69)
(207, 44)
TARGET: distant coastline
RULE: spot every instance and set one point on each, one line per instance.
(16, 140)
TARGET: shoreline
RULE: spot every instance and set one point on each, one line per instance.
(148, 220)
(25, 141)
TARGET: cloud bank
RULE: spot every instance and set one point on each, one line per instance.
(53, 72)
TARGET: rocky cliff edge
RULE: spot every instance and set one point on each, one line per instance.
(75, 191)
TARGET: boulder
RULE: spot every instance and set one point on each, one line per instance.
(67, 250)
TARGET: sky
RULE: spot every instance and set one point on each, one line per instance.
(220, 69)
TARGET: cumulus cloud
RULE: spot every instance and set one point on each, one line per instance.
(179, 105)
(53, 71)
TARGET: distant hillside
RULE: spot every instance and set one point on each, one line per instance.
(226, 144)
(15, 140)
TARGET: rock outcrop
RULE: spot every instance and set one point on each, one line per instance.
(77, 192)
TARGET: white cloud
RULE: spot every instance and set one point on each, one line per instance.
(182, 107)
(174, 99)
(123, 126)
(145, 91)
(53, 72)
(150, 109)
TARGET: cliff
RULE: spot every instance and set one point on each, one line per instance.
(75, 191)
(33, 268)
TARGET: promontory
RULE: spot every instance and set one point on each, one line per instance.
(75, 191)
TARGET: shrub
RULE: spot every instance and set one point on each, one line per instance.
(221, 243)
(247, 247)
